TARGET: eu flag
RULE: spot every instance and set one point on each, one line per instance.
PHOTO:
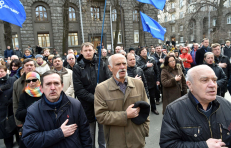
(159, 4)
(12, 11)
(153, 27)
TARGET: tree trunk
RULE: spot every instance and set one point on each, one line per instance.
(117, 24)
(8, 34)
(141, 32)
(65, 25)
(218, 32)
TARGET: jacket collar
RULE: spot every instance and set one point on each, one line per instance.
(45, 106)
(114, 86)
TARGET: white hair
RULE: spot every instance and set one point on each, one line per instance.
(70, 55)
(122, 51)
(14, 56)
(104, 50)
(110, 61)
(118, 47)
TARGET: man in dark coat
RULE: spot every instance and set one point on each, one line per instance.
(200, 52)
(200, 118)
(56, 121)
(227, 49)
(8, 53)
(18, 52)
(85, 80)
(152, 75)
(136, 72)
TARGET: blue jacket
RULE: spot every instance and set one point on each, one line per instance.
(8, 53)
(39, 130)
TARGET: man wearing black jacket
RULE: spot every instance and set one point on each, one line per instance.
(227, 49)
(152, 75)
(200, 52)
(85, 81)
(200, 119)
(136, 72)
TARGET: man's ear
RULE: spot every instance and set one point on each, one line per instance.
(109, 67)
(189, 84)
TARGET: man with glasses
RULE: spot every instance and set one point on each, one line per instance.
(66, 75)
(71, 61)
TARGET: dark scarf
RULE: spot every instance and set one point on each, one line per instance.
(4, 79)
(62, 72)
(53, 105)
(89, 61)
(27, 56)
(13, 72)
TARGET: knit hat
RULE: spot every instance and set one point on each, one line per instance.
(131, 49)
(38, 56)
(143, 114)
(33, 74)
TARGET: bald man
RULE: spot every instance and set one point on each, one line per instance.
(114, 101)
(200, 118)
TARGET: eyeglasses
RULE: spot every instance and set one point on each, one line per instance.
(33, 80)
(171, 61)
(71, 59)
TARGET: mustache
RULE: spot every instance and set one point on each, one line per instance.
(122, 70)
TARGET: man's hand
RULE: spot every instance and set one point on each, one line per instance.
(149, 64)
(132, 112)
(161, 60)
(215, 143)
(222, 65)
(138, 77)
(68, 130)
(157, 83)
(178, 77)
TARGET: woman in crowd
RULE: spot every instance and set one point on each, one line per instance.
(32, 93)
(14, 66)
(6, 91)
(178, 61)
(27, 54)
(186, 58)
(173, 81)
(221, 77)
(49, 62)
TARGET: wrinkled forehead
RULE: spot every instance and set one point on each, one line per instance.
(203, 73)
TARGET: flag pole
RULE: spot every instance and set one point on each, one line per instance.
(99, 52)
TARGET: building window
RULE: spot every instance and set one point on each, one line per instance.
(44, 40)
(95, 13)
(229, 34)
(15, 40)
(114, 15)
(229, 19)
(181, 39)
(181, 3)
(214, 22)
(135, 15)
(165, 19)
(136, 36)
(119, 37)
(41, 13)
(72, 39)
(181, 28)
(173, 5)
(72, 16)
(173, 17)
(181, 14)
(173, 28)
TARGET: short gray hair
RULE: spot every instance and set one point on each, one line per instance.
(104, 50)
(15, 56)
(70, 55)
(189, 75)
(122, 51)
(110, 61)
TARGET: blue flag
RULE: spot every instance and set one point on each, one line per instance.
(12, 11)
(159, 4)
(153, 27)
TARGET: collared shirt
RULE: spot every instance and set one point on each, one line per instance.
(123, 86)
(207, 112)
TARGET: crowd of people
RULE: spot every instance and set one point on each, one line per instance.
(58, 101)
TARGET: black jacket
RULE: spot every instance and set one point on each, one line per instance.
(133, 71)
(200, 54)
(227, 51)
(224, 59)
(18, 53)
(85, 81)
(24, 102)
(69, 67)
(157, 58)
(151, 73)
(221, 78)
(39, 130)
(184, 124)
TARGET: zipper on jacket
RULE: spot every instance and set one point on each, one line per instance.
(55, 113)
(220, 131)
(198, 131)
(208, 120)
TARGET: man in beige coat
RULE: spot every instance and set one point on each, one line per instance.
(114, 99)
(66, 74)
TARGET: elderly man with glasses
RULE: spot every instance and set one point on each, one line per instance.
(71, 61)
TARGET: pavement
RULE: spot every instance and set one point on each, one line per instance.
(154, 132)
